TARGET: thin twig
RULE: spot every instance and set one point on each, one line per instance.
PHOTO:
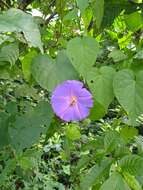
(5, 4)
(50, 18)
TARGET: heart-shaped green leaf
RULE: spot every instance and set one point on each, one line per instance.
(100, 81)
(83, 53)
(49, 73)
(128, 89)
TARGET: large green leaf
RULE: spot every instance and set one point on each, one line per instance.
(128, 89)
(27, 128)
(100, 81)
(115, 182)
(49, 73)
(15, 20)
(83, 53)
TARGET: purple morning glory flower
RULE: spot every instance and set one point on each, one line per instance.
(71, 101)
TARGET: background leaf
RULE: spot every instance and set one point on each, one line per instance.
(132, 164)
(94, 175)
(115, 182)
(9, 54)
(28, 127)
(128, 133)
(53, 72)
(73, 132)
(132, 181)
(26, 64)
(134, 21)
(117, 55)
(82, 4)
(4, 136)
(98, 11)
(15, 20)
(111, 140)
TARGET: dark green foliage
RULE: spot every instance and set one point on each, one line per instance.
(42, 44)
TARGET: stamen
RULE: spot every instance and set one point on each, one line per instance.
(73, 100)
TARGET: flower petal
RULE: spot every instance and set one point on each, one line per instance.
(75, 113)
(62, 90)
(87, 102)
(82, 110)
(61, 101)
(59, 105)
(71, 114)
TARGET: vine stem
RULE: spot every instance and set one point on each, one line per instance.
(5, 4)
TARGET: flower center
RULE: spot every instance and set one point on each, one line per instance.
(73, 100)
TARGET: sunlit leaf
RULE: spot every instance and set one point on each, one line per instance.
(73, 132)
(26, 64)
(134, 21)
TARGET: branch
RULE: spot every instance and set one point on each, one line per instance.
(5, 4)
(50, 18)
(52, 3)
